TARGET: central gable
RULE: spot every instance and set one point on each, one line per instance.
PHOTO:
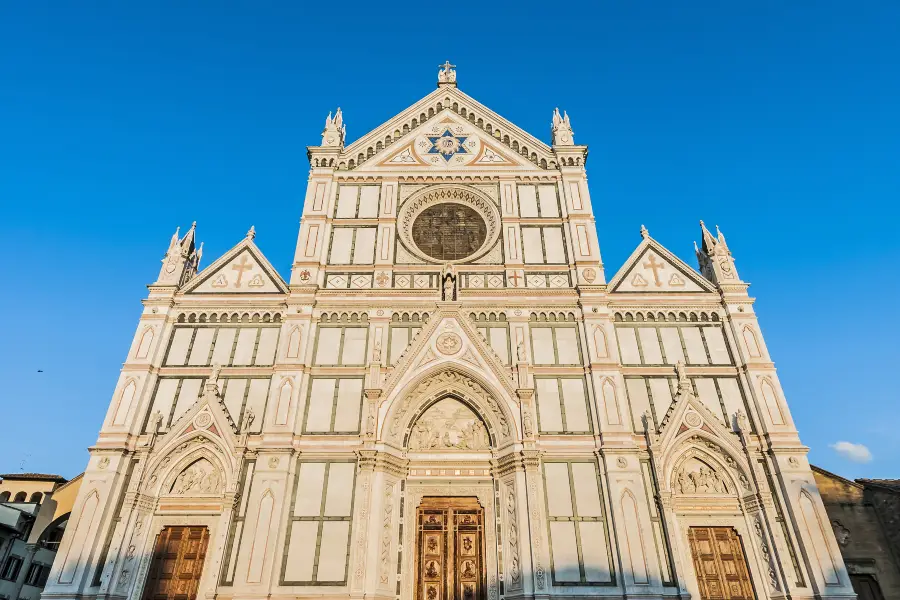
(404, 139)
(448, 142)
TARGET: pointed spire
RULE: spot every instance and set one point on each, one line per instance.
(644, 233)
(721, 237)
(716, 262)
(251, 233)
(335, 131)
(561, 129)
(181, 259)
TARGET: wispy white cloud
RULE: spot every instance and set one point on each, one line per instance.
(855, 452)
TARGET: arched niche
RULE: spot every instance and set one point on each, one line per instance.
(702, 463)
(441, 383)
(175, 459)
(448, 423)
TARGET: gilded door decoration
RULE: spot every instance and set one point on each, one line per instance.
(720, 564)
(449, 549)
(177, 564)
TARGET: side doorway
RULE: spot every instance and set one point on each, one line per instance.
(177, 564)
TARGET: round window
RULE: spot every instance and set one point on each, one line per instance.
(449, 231)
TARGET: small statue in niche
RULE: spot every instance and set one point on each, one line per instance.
(448, 284)
(376, 352)
(527, 425)
(520, 351)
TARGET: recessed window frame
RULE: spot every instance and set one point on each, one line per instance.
(579, 519)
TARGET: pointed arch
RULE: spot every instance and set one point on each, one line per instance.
(752, 342)
(600, 344)
(699, 444)
(818, 538)
(610, 401)
(259, 548)
(144, 345)
(76, 547)
(770, 397)
(442, 381)
(634, 538)
(177, 456)
(283, 407)
(293, 345)
(126, 398)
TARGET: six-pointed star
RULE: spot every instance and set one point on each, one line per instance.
(447, 145)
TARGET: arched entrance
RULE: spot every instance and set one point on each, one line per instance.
(451, 431)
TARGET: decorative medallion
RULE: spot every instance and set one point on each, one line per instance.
(203, 420)
(589, 275)
(104, 462)
(273, 462)
(793, 461)
(692, 419)
(382, 279)
(447, 145)
(304, 275)
(622, 462)
(449, 343)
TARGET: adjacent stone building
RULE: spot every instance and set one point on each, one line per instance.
(865, 516)
(448, 399)
(34, 511)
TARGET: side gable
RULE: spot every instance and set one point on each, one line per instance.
(652, 268)
(401, 130)
(242, 270)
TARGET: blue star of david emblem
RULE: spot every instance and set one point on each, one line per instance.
(447, 145)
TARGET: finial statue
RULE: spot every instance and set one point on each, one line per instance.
(447, 73)
(251, 233)
(155, 421)
(249, 417)
(644, 233)
(743, 422)
(561, 129)
(684, 384)
(214, 374)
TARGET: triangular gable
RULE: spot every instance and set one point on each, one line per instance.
(241, 270)
(448, 141)
(208, 414)
(448, 336)
(398, 133)
(652, 268)
(687, 412)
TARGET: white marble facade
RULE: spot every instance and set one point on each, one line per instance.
(596, 420)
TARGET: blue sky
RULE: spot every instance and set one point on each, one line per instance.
(776, 120)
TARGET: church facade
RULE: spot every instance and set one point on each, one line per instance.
(448, 400)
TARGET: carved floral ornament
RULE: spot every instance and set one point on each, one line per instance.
(430, 393)
(468, 197)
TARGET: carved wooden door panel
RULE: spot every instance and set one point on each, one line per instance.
(177, 564)
(449, 549)
(720, 565)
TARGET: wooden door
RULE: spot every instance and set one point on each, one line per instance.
(449, 549)
(177, 564)
(720, 564)
(866, 587)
